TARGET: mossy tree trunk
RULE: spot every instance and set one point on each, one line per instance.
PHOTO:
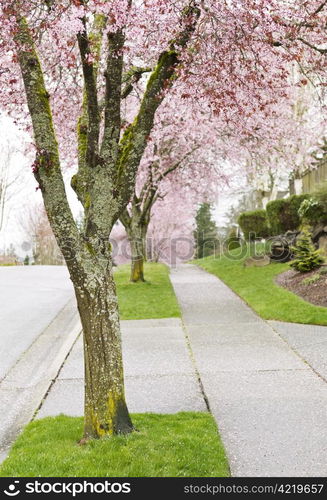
(105, 408)
(104, 184)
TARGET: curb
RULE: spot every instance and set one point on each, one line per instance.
(25, 385)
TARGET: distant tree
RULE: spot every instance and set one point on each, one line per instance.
(205, 234)
(27, 260)
(45, 247)
(10, 174)
(11, 251)
(8, 256)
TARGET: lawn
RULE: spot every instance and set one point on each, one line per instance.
(180, 445)
(154, 298)
(256, 286)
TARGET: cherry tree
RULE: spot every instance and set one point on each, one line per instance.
(68, 64)
(170, 232)
(187, 163)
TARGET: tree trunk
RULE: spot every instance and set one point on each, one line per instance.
(137, 268)
(106, 411)
(137, 239)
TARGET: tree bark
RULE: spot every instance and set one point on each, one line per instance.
(105, 411)
(137, 239)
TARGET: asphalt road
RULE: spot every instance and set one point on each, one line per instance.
(30, 298)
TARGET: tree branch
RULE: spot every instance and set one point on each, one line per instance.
(135, 138)
(90, 86)
(177, 164)
(46, 167)
(308, 44)
(125, 218)
(80, 180)
(114, 182)
(148, 204)
(113, 74)
(320, 8)
(149, 197)
(302, 24)
(132, 77)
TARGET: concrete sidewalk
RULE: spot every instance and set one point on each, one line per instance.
(271, 407)
(308, 341)
(265, 382)
(27, 382)
(159, 374)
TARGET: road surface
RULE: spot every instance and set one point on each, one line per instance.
(30, 298)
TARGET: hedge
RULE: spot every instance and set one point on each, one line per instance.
(283, 214)
(254, 224)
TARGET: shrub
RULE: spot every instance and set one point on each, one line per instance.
(311, 211)
(278, 217)
(254, 224)
(306, 257)
(314, 209)
(283, 214)
(295, 202)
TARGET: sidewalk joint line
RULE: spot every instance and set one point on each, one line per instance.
(197, 373)
(53, 381)
(293, 349)
(266, 321)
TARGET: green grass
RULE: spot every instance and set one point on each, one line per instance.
(256, 286)
(184, 444)
(153, 299)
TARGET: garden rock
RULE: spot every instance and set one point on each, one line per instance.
(319, 237)
(257, 261)
(319, 231)
(281, 247)
(322, 244)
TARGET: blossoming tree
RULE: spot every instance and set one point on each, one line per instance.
(68, 64)
(186, 163)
